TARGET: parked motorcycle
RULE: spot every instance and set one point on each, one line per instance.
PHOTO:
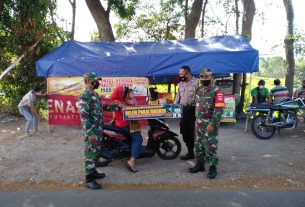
(116, 143)
(268, 118)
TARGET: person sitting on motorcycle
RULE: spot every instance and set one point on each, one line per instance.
(279, 93)
(260, 93)
(300, 93)
(120, 96)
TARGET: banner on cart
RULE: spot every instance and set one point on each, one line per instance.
(64, 91)
(164, 111)
(74, 86)
(229, 113)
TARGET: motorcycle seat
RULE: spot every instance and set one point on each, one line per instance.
(114, 128)
(262, 105)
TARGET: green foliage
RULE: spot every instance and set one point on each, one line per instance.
(299, 72)
(22, 23)
(153, 23)
(94, 37)
(300, 44)
(124, 8)
(274, 67)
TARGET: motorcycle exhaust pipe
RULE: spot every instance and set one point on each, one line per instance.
(277, 124)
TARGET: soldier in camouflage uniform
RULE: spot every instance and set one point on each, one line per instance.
(91, 114)
(209, 102)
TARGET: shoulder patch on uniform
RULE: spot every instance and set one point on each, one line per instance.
(219, 99)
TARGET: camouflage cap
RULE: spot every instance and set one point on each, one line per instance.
(91, 76)
(206, 72)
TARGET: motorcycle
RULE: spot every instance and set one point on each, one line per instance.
(272, 117)
(116, 143)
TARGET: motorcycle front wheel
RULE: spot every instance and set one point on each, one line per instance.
(259, 128)
(169, 148)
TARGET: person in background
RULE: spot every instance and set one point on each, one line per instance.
(260, 93)
(187, 88)
(121, 96)
(91, 115)
(279, 93)
(27, 109)
(300, 92)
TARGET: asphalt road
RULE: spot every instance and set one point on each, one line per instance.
(147, 198)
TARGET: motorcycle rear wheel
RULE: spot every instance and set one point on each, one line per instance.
(261, 131)
(169, 148)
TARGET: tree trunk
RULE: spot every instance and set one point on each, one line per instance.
(203, 17)
(247, 22)
(236, 76)
(289, 48)
(248, 16)
(192, 19)
(101, 18)
(1, 5)
(236, 17)
(73, 4)
(236, 83)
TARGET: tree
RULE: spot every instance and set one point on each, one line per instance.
(299, 44)
(300, 72)
(153, 23)
(203, 17)
(52, 5)
(272, 67)
(22, 23)
(247, 22)
(73, 5)
(101, 15)
(192, 18)
(289, 48)
(1, 5)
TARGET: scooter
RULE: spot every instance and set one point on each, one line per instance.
(116, 142)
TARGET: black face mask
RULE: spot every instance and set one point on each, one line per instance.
(182, 78)
(205, 82)
(95, 84)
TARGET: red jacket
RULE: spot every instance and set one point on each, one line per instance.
(118, 98)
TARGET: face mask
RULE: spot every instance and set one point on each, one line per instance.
(182, 78)
(260, 86)
(131, 96)
(205, 82)
(95, 84)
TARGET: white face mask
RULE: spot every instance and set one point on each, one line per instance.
(260, 86)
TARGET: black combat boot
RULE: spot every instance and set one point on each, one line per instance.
(97, 175)
(188, 156)
(91, 183)
(199, 167)
(212, 172)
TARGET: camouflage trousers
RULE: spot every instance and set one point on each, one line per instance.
(206, 145)
(90, 153)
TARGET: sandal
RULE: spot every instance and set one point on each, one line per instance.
(131, 168)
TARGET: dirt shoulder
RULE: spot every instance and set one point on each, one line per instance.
(54, 161)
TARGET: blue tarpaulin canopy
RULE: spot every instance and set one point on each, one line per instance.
(223, 54)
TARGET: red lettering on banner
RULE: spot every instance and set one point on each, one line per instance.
(63, 109)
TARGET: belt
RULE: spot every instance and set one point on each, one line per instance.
(189, 106)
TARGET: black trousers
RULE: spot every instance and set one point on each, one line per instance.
(187, 127)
